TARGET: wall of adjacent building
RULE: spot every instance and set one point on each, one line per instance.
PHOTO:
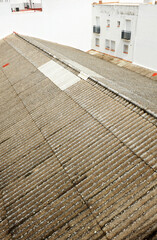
(115, 13)
(22, 3)
(129, 1)
(69, 22)
(65, 22)
(5, 19)
(145, 50)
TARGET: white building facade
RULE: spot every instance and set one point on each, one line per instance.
(145, 49)
(25, 4)
(126, 30)
(114, 29)
(5, 13)
(4, 7)
(64, 22)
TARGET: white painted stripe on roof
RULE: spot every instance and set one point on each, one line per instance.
(58, 75)
(83, 75)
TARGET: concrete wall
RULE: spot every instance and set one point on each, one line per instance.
(115, 13)
(31, 23)
(69, 22)
(5, 19)
(4, 9)
(24, 1)
(122, 1)
(66, 22)
(145, 51)
(128, 1)
(131, 1)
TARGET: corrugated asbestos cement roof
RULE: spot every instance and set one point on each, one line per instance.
(77, 161)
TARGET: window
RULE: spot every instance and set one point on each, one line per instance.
(97, 21)
(107, 44)
(97, 42)
(118, 23)
(96, 28)
(108, 23)
(113, 46)
(128, 25)
(125, 49)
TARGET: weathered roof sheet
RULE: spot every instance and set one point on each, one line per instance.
(129, 80)
(77, 163)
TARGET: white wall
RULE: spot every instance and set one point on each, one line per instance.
(67, 22)
(115, 13)
(129, 1)
(24, 1)
(145, 51)
(4, 8)
(5, 20)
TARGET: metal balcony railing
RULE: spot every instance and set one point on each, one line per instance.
(126, 35)
(96, 29)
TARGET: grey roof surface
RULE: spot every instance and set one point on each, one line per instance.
(78, 163)
(133, 85)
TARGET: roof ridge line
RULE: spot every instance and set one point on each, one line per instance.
(148, 111)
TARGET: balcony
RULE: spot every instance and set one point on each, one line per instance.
(126, 35)
(96, 29)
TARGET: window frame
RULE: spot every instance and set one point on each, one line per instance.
(114, 44)
(107, 44)
(97, 21)
(97, 42)
(126, 48)
(108, 23)
(128, 24)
